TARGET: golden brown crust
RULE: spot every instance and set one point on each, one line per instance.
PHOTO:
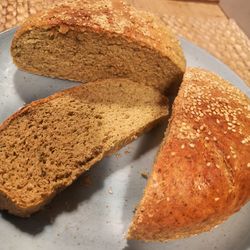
(202, 172)
(113, 17)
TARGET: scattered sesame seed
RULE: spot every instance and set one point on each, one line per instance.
(216, 199)
(248, 164)
(206, 138)
(182, 146)
(218, 121)
(202, 127)
(228, 157)
(110, 190)
(173, 153)
(208, 164)
(214, 138)
(191, 145)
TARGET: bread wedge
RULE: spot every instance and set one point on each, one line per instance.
(202, 172)
(46, 145)
(85, 40)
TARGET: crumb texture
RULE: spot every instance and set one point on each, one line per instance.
(202, 173)
(49, 143)
(85, 41)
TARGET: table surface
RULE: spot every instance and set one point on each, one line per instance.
(203, 23)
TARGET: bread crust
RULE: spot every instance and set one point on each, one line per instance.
(112, 17)
(202, 172)
(13, 204)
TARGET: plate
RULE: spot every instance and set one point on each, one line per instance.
(94, 213)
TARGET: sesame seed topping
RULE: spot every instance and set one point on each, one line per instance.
(191, 145)
(182, 146)
(214, 138)
(207, 138)
(248, 164)
(173, 153)
(208, 164)
(216, 199)
(228, 157)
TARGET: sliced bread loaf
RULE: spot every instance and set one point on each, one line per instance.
(85, 40)
(45, 146)
(202, 173)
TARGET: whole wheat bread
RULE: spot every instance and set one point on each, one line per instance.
(45, 146)
(202, 173)
(85, 40)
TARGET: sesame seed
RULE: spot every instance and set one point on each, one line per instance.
(214, 138)
(173, 153)
(248, 164)
(182, 146)
(218, 121)
(228, 157)
(191, 145)
(208, 164)
(202, 127)
(216, 199)
(206, 138)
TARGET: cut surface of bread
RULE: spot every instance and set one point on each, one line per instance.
(201, 175)
(87, 40)
(46, 145)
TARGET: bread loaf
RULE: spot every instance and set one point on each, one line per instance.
(45, 146)
(85, 40)
(202, 172)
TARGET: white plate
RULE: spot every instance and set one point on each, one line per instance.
(92, 217)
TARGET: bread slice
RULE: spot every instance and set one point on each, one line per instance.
(202, 173)
(45, 146)
(84, 40)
